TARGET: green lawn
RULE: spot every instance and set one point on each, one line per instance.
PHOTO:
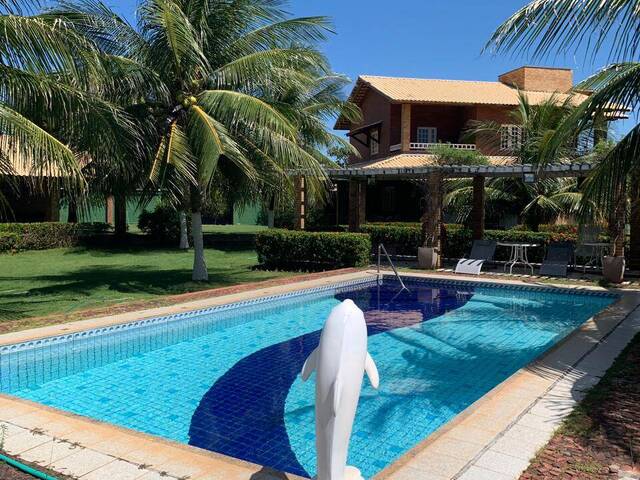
(61, 281)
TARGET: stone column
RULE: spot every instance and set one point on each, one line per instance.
(300, 201)
(477, 214)
(405, 128)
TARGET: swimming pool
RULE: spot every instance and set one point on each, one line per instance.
(227, 379)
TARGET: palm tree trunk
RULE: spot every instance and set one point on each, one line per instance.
(617, 222)
(433, 209)
(271, 214)
(120, 214)
(184, 236)
(200, 273)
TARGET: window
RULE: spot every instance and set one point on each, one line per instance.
(510, 137)
(374, 141)
(427, 135)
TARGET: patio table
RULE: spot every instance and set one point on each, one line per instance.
(518, 254)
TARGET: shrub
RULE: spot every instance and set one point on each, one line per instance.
(162, 224)
(9, 241)
(41, 236)
(288, 249)
(447, 155)
(400, 239)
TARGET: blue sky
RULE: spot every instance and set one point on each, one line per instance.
(420, 38)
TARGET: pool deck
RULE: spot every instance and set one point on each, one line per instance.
(494, 438)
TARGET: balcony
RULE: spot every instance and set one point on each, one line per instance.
(425, 147)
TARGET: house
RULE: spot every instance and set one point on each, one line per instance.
(403, 119)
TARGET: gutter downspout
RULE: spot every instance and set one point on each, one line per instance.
(26, 468)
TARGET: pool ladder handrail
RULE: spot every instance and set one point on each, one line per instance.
(381, 249)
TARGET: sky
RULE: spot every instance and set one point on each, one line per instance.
(421, 38)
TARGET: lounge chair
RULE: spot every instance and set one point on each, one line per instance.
(559, 257)
(481, 252)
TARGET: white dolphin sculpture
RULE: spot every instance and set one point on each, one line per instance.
(340, 360)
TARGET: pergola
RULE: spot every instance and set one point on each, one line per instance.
(359, 176)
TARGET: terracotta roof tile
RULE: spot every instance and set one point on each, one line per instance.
(421, 90)
(416, 160)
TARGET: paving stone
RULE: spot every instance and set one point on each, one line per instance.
(50, 452)
(478, 473)
(115, 470)
(81, 463)
(24, 441)
(501, 463)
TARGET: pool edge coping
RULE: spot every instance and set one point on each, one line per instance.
(481, 418)
(247, 468)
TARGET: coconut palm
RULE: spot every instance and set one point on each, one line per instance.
(545, 26)
(217, 60)
(55, 106)
(547, 198)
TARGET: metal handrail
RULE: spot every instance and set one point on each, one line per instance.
(393, 267)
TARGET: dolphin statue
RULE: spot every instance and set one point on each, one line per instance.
(340, 361)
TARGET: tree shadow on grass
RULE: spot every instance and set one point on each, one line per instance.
(80, 285)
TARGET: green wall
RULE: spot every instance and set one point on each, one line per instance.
(97, 212)
(248, 215)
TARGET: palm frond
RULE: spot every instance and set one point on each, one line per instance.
(543, 26)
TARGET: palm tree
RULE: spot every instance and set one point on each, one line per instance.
(216, 61)
(544, 26)
(56, 108)
(547, 198)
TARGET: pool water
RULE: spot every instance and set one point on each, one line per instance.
(227, 380)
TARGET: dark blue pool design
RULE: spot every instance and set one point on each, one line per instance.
(243, 413)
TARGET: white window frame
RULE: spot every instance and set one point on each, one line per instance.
(510, 137)
(427, 135)
(374, 141)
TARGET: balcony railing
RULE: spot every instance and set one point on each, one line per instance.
(430, 146)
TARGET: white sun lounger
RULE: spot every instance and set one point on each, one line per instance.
(481, 252)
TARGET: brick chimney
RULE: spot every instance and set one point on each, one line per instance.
(541, 79)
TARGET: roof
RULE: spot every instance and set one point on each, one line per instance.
(418, 160)
(449, 92)
(21, 165)
(407, 166)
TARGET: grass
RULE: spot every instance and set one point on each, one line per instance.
(66, 280)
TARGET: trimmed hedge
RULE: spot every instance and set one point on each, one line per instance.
(287, 249)
(404, 239)
(45, 235)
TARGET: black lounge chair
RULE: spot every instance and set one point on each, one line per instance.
(558, 258)
(482, 251)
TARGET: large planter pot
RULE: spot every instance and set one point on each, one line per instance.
(613, 268)
(428, 258)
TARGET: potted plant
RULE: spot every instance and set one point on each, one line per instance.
(428, 255)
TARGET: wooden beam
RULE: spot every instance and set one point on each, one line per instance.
(477, 214)
(300, 201)
(405, 128)
(634, 223)
(357, 203)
